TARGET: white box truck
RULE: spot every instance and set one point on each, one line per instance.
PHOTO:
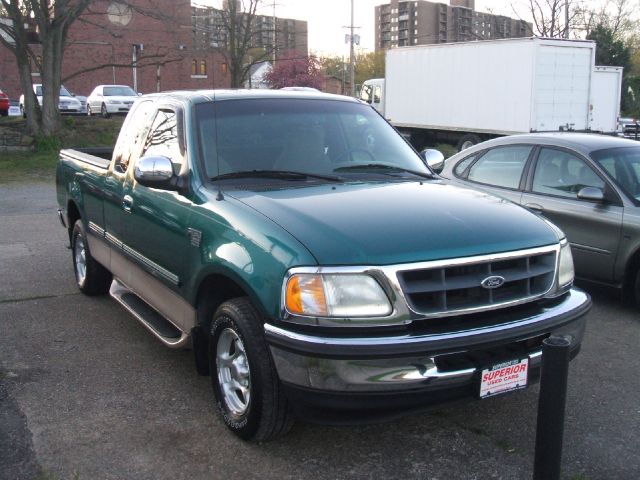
(467, 92)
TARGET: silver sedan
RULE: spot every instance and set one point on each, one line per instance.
(587, 184)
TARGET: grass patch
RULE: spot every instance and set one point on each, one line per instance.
(27, 166)
(40, 164)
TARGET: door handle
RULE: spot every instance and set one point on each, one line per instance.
(535, 207)
(127, 203)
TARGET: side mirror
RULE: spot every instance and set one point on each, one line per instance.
(593, 194)
(433, 158)
(154, 172)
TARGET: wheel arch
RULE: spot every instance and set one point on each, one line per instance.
(630, 269)
(213, 289)
(73, 215)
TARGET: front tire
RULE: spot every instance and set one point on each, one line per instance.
(246, 388)
(91, 277)
(104, 112)
(89, 110)
(635, 288)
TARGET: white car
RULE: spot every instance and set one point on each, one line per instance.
(67, 103)
(110, 99)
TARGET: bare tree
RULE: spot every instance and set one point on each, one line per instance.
(52, 19)
(239, 37)
(554, 18)
(618, 16)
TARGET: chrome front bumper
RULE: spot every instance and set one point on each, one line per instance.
(409, 362)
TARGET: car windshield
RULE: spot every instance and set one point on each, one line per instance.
(623, 166)
(63, 91)
(119, 92)
(309, 136)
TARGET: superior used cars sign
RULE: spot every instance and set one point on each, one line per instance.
(504, 377)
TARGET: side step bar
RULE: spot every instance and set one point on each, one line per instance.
(164, 330)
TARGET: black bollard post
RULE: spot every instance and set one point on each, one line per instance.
(551, 406)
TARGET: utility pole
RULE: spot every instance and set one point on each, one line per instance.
(352, 67)
(566, 18)
(274, 33)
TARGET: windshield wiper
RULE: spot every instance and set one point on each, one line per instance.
(279, 174)
(382, 166)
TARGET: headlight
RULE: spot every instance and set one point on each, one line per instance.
(565, 266)
(335, 295)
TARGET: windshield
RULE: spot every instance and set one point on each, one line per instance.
(63, 91)
(623, 166)
(119, 92)
(318, 137)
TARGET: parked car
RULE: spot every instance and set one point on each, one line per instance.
(628, 127)
(4, 104)
(109, 99)
(588, 185)
(14, 108)
(67, 103)
(83, 102)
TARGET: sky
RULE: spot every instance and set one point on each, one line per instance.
(327, 19)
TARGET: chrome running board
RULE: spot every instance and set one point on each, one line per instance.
(164, 330)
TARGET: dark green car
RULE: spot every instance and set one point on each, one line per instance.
(311, 259)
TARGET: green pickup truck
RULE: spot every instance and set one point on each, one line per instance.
(312, 260)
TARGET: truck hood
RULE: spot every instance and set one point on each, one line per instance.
(383, 224)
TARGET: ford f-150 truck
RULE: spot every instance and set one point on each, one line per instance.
(311, 258)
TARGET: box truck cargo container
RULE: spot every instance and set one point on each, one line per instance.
(606, 88)
(467, 92)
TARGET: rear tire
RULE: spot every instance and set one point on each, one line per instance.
(636, 288)
(246, 387)
(89, 110)
(104, 112)
(91, 277)
(467, 141)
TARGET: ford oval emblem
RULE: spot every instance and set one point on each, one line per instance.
(494, 281)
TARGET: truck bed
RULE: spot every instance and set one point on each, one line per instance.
(97, 156)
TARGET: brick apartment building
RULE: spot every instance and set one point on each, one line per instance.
(406, 23)
(161, 36)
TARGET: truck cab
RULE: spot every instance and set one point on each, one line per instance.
(372, 92)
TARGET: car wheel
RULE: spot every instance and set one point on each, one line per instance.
(636, 288)
(104, 112)
(4, 113)
(246, 388)
(89, 110)
(91, 277)
(22, 112)
(467, 141)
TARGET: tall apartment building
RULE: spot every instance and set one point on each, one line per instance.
(289, 34)
(402, 23)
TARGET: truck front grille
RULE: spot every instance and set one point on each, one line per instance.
(451, 289)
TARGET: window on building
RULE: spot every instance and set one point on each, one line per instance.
(224, 68)
(194, 67)
(203, 67)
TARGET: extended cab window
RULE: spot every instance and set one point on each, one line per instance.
(163, 139)
(501, 166)
(563, 174)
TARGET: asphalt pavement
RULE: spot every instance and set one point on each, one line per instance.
(87, 393)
